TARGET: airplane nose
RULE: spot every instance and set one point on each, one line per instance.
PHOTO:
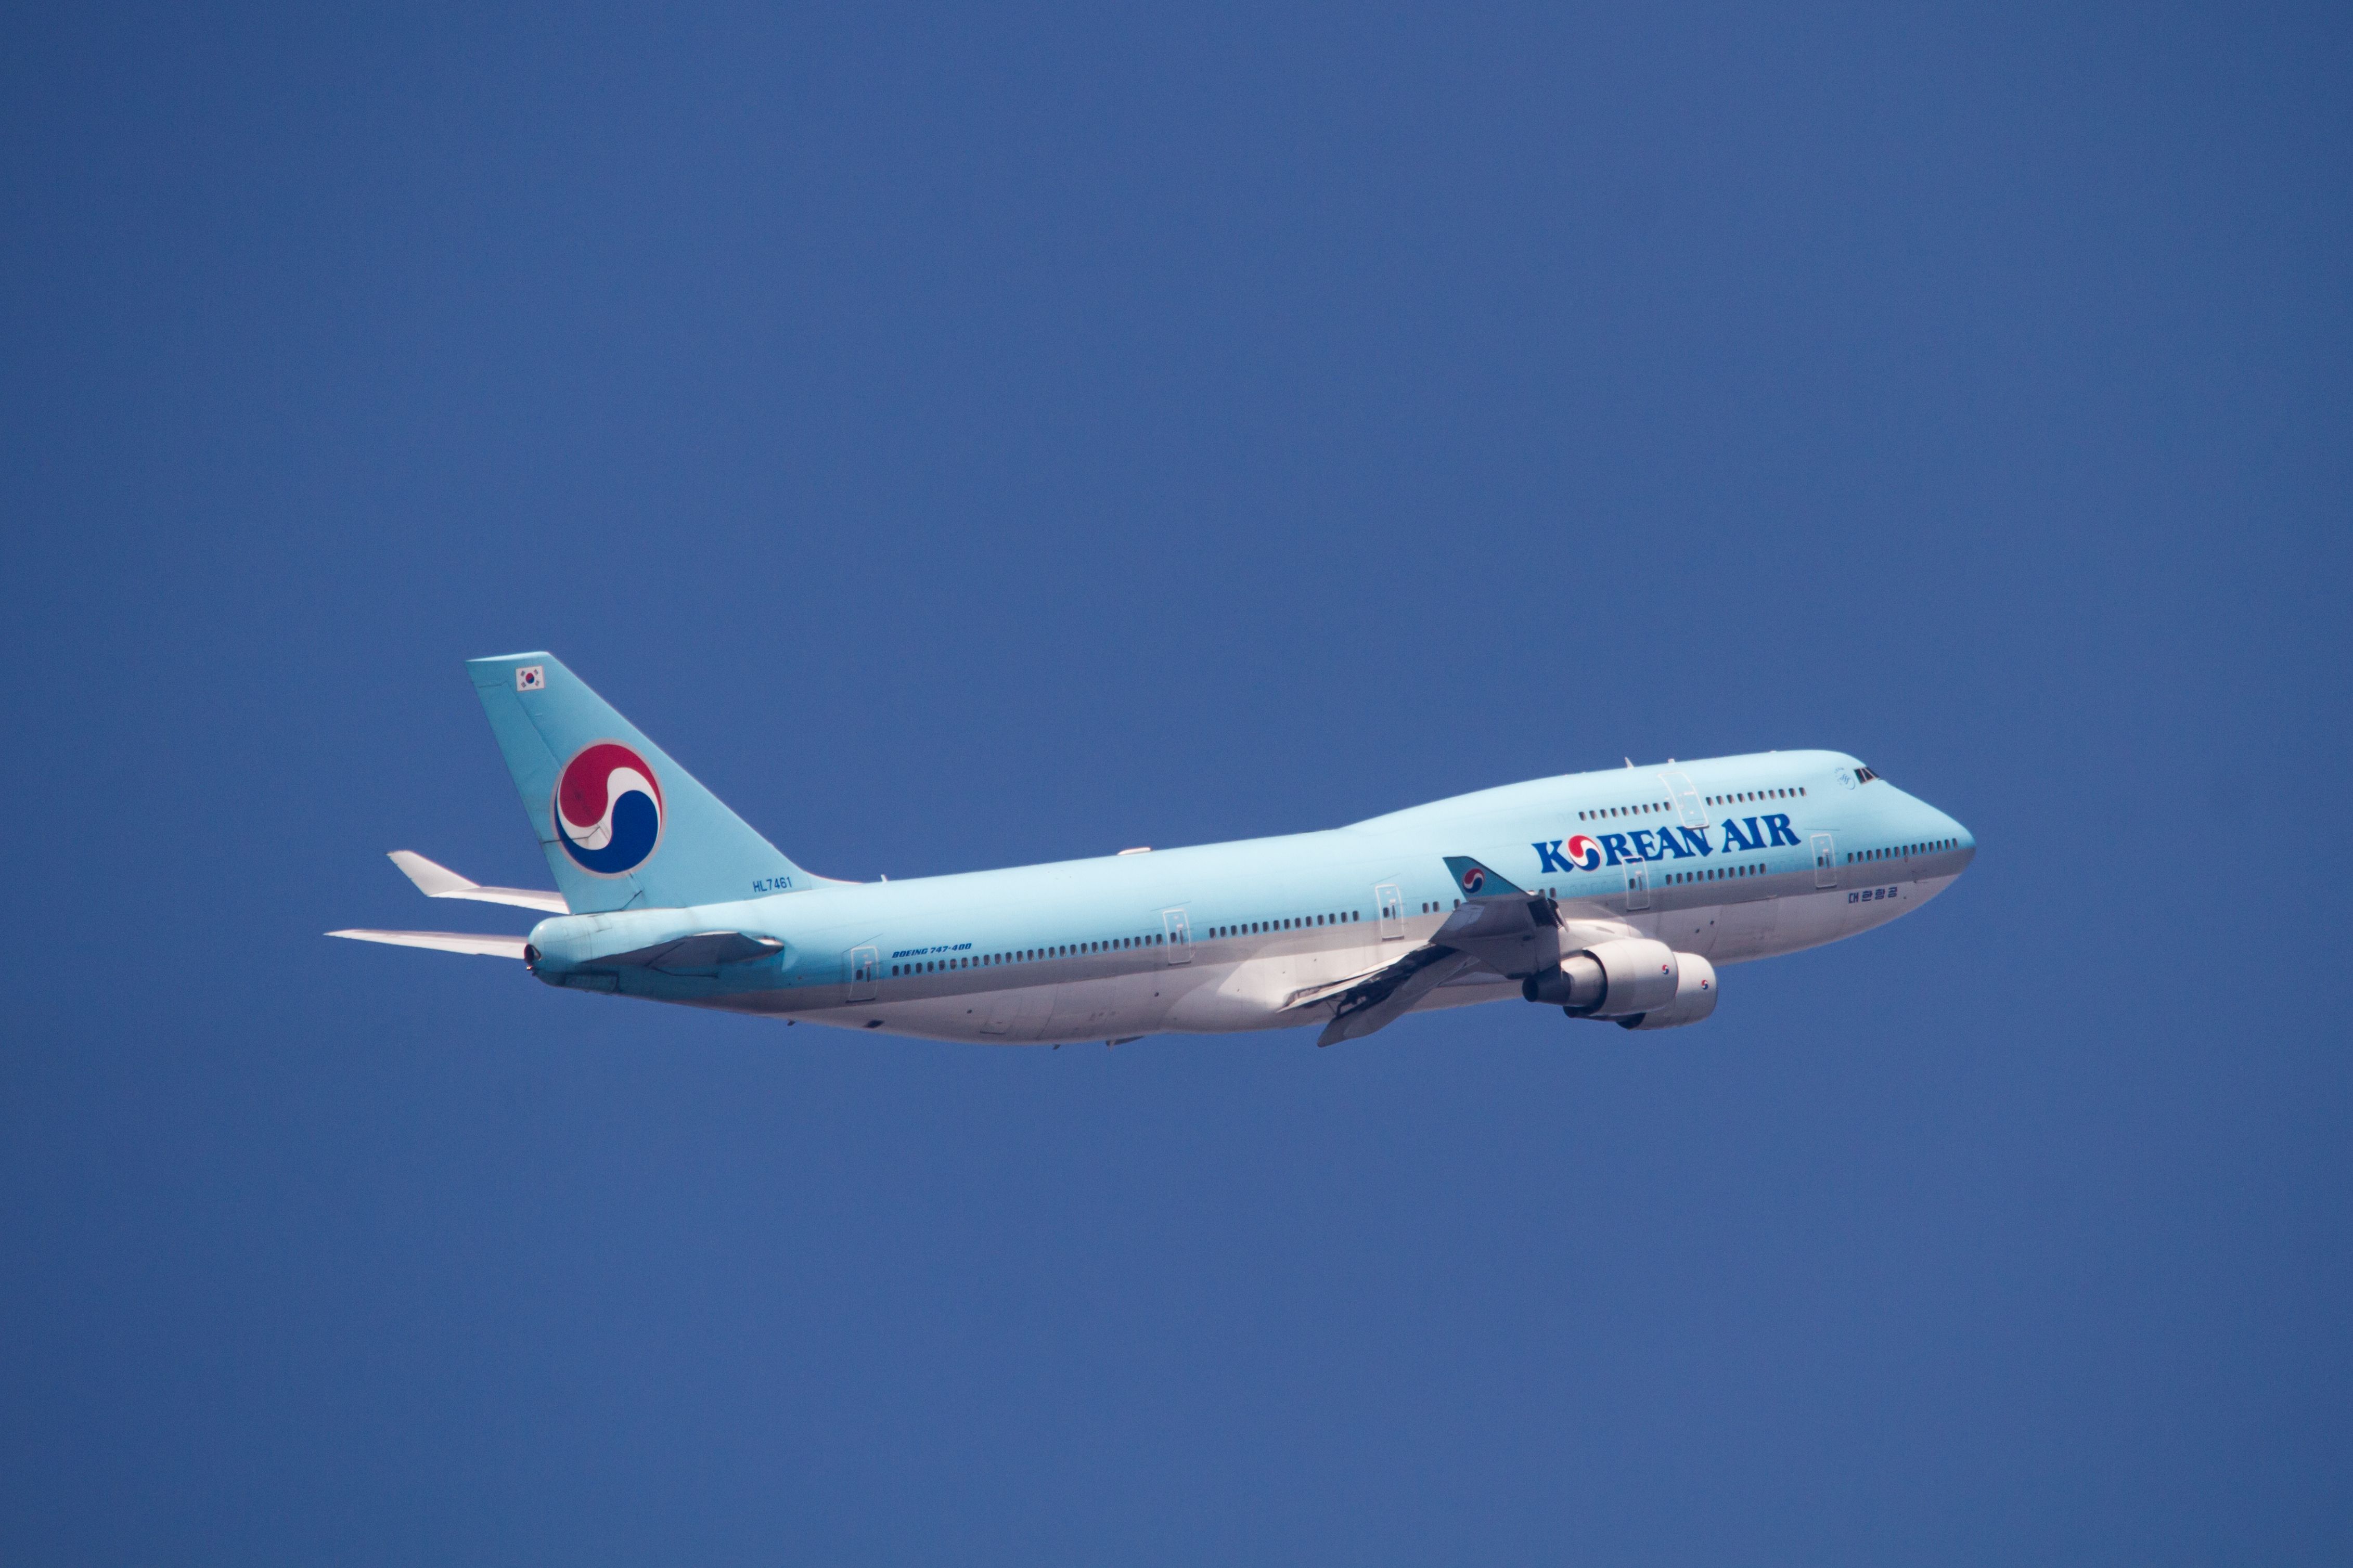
(1945, 838)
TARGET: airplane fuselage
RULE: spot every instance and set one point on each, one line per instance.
(1732, 858)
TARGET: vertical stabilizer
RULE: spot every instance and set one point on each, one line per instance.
(624, 827)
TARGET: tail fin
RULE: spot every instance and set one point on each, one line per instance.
(624, 827)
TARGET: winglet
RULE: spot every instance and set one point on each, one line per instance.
(1477, 881)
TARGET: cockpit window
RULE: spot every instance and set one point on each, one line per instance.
(1863, 775)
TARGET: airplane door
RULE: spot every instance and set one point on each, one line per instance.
(1687, 798)
(1390, 898)
(1637, 887)
(1181, 936)
(1825, 861)
(865, 969)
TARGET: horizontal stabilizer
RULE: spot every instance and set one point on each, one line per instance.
(443, 941)
(436, 881)
(704, 950)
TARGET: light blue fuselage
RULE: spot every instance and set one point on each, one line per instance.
(1732, 858)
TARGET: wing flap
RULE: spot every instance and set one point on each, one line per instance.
(1308, 995)
(1381, 1001)
(1377, 998)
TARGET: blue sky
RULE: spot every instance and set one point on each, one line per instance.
(967, 439)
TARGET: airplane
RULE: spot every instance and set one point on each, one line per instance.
(1615, 896)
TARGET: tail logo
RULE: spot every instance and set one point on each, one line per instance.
(609, 809)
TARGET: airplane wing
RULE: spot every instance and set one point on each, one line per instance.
(1307, 995)
(436, 881)
(443, 941)
(1500, 935)
(1374, 1000)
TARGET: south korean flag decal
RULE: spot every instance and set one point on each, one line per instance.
(530, 677)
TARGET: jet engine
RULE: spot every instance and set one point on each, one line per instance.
(1636, 983)
(1694, 997)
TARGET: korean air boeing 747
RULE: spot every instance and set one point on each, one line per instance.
(1613, 896)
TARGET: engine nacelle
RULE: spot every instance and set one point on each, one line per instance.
(1614, 979)
(1694, 997)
